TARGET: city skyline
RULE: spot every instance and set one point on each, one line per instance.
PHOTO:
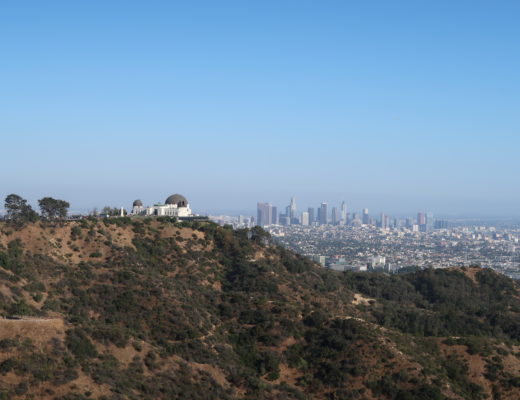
(268, 215)
(376, 208)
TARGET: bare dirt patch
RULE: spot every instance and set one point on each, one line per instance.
(471, 273)
(288, 375)
(216, 373)
(39, 330)
(359, 299)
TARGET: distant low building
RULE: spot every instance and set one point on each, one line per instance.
(338, 266)
(320, 259)
(378, 262)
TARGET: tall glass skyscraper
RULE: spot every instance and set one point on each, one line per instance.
(264, 214)
(323, 214)
(335, 216)
(293, 208)
(343, 213)
(312, 217)
(366, 218)
(430, 221)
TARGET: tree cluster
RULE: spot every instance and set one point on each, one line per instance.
(112, 211)
(53, 208)
(20, 212)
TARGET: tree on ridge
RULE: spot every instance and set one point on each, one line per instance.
(53, 208)
(18, 211)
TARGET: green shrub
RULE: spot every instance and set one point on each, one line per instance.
(79, 344)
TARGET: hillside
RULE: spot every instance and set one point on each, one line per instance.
(154, 309)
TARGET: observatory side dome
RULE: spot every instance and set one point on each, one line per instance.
(137, 203)
(178, 199)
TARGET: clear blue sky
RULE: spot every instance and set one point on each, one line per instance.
(394, 105)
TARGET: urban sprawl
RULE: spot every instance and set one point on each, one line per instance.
(343, 241)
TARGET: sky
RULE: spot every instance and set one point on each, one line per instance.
(398, 106)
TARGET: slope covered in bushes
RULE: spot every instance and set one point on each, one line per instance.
(140, 308)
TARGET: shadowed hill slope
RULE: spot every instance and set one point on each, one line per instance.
(154, 309)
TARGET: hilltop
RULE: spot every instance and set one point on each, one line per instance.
(156, 309)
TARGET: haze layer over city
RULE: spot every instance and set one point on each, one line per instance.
(349, 240)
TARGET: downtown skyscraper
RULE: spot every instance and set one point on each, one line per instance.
(274, 218)
(343, 213)
(292, 209)
(366, 217)
(312, 216)
(323, 214)
(335, 216)
(264, 214)
(304, 218)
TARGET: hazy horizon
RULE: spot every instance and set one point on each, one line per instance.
(396, 106)
(394, 207)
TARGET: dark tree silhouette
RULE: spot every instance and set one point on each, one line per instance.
(18, 211)
(53, 208)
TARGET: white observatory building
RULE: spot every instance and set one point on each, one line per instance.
(175, 205)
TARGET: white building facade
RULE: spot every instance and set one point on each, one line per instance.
(175, 205)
